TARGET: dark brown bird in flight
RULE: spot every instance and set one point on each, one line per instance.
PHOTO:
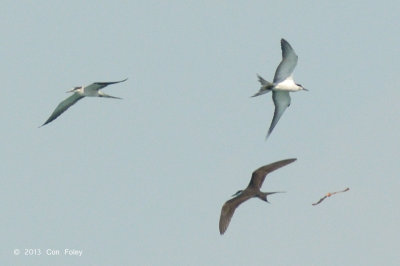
(252, 190)
(328, 195)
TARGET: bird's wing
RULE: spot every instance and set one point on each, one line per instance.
(281, 101)
(259, 175)
(288, 63)
(99, 85)
(228, 209)
(344, 190)
(63, 106)
(320, 200)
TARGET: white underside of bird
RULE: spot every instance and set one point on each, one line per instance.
(92, 90)
(282, 85)
(287, 85)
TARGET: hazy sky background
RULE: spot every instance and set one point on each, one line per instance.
(141, 181)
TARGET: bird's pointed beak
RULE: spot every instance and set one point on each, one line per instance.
(305, 89)
(70, 91)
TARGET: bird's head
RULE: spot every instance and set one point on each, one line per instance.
(301, 87)
(237, 193)
(75, 89)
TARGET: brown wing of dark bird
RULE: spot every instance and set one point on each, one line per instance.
(328, 195)
(258, 177)
(228, 210)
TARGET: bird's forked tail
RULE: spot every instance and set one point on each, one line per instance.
(266, 86)
(263, 195)
(263, 81)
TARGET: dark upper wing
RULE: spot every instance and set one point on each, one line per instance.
(228, 209)
(99, 85)
(318, 202)
(288, 63)
(259, 175)
(344, 190)
(63, 106)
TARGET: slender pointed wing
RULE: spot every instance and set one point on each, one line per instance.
(288, 63)
(281, 101)
(259, 175)
(99, 85)
(344, 190)
(320, 200)
(63, 106)
(228, 209)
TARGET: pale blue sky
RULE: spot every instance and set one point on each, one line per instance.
(141, 181)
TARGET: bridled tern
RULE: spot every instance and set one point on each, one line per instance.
(328, 195)
(93, 90)
(283, 83)
(252, 190)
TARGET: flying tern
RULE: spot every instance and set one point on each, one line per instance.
(252, 190)
(283, 83)
(92, 90)
(327, 195)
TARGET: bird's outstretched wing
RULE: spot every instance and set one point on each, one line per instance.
(259, 175)
(320, 200)
(63, 106)
(288, 63)
(228, 209)
(100, 85)
(281, 101)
